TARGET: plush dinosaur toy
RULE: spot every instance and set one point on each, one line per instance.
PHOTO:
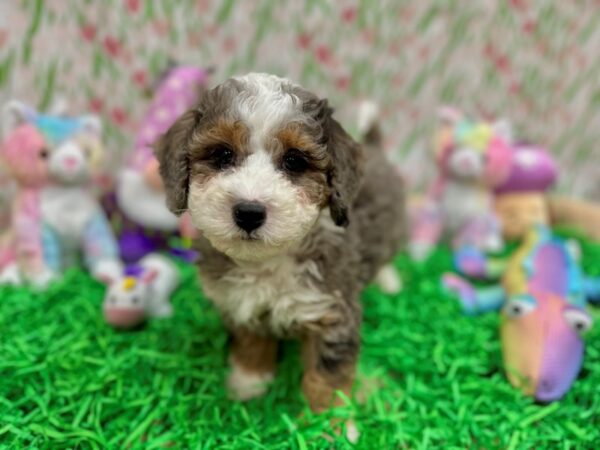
(542, 299)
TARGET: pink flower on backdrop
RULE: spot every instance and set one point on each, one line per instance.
(3, 37)
(211, 29)
(518, 4)
(88, 32)
(96, 105)
(202, 5)
(140, 77)
(395, 48)
(133, 5)
(515, 87)
(229, 44)
(343, 83)
(398, 80)
(349, 14)
(112, 46)
(194, 38)
(502, 63)
(529, 26)
(162, 27)
(323, 54)
(303, 40)
(118, 116)
(369, 36)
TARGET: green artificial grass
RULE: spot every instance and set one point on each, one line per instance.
(429, 377)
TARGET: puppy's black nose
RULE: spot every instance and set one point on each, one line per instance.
(249, 215)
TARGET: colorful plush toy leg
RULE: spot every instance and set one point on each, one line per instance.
(100, 249)
(592, 290)
(474, 301)
(426, 230)
(474, 263)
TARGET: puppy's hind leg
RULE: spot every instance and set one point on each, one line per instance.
(252, 359)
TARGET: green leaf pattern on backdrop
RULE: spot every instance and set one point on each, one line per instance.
(535, 62)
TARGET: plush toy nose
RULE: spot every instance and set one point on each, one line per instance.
(70, 162)
(249, 215)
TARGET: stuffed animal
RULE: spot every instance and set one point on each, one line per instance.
(473, 158)
(24, 155)
(139, 208)
(146, 222)
(542, 300)
(143, 291)
(581, 215)
(521, 201)
(55, 216)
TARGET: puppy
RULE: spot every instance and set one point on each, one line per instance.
(295, 220)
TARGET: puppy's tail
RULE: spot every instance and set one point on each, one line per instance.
(368, 123)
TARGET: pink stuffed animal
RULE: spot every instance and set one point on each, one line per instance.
(55, 214)
(473, 158)
(25, 156)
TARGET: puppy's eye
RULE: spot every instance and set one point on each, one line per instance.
(44, 153)
(221, 157)
(294, 161)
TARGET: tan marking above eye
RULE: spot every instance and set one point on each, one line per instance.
(230, 133)
(295, 137)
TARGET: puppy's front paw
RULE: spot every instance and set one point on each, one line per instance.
(243, 384)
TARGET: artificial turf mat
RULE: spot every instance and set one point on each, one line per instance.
(429, 378)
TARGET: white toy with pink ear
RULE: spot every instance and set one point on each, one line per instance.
(142, 292)
(473, 158)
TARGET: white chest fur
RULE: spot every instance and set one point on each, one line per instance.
(280, 293)
(68, 210)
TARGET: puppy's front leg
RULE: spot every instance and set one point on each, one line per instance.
(329, 365)
(329, 358)
(252, 359)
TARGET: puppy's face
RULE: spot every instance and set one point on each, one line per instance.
(256, 163)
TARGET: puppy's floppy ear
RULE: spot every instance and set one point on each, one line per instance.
(345, 174)
(172, 152)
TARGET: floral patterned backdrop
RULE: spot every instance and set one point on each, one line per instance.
(536, 62)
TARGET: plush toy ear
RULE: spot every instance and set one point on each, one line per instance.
(149, 276)
(14, 114)
(503, 129)
(346, 169)
(172, 153)
(450, 115)
(59, 106)
(92, 124)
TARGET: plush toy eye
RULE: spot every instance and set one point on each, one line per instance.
(221, 157)
(294, 161)
(44, 153)
(519, 306)
(578, 320)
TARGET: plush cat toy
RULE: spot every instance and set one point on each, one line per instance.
(473, 157)
(55, 216)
